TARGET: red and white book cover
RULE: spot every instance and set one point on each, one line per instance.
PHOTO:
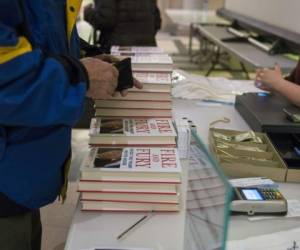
(132, 170)
(133, 160)
(132, 127)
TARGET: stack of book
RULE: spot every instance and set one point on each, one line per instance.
(133, 164)
(135, 50)
(153, 68)
(131, 179)
(117, 132)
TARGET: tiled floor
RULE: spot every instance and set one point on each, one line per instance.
(56, 220)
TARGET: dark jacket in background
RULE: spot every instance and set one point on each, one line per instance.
(125, 22)
(294, 76)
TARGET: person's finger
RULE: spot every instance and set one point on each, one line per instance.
(115, 72)
(258, 83)
(261, 74)
(100, 95)
(277, 68)
(114, 59)
(137, 84)
(258, 79)
(124, 93)
(115, 94)
(111, 90)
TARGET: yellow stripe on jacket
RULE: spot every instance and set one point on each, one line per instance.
(73, 7)
(8, 53)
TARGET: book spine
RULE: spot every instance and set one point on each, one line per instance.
(126, 201)
(126, 192)
(132, 145)
(118, 181)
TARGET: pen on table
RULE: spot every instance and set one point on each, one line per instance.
(135, 224)
(208, 104)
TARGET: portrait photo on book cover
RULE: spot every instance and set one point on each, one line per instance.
(111, 126)
(108, 158)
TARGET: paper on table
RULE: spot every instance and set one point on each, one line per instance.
(253, 181)
(293, 211)
(284, 240)
(212, 89)
(117, 248)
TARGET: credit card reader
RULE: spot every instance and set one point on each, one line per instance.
(258, 200)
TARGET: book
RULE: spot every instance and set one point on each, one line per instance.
(133, 113)
(130, 197)
(148, 89)
(152, 81)
(117, 248)
(125, 50)
(143, 96)
(153, 165)
(127, 187)
(152, 63)
(128, 206)
(116, 132)
(127, 104)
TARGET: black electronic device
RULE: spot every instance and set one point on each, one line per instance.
(292, 114)
(265, 113)
(125, 80)
(258, 200)
(274, 115)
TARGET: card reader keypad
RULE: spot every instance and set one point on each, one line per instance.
(270, 194)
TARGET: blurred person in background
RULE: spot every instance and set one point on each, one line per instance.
(124, 22)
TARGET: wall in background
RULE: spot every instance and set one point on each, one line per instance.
(281, 13)
(184, 4)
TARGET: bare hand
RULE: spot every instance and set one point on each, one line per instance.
(103, 78)
(267, 79)
(108, 58)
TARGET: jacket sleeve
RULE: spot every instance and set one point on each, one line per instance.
(103, 16)
(291, 77)
(37, 89)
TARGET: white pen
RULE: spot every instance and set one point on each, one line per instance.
(208, 104)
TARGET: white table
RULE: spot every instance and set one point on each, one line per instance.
(165, 231)
(186, 17)
(240, 227)
(245, 52)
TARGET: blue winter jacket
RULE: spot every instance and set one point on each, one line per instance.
(42, 88)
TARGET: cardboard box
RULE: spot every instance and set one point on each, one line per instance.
(293, 175)
(274, 168)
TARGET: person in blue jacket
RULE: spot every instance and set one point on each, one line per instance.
(42, 87)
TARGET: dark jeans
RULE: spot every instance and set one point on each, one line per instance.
(21, 232)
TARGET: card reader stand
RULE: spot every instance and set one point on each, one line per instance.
(258, 201)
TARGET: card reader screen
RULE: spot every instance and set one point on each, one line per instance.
(252, 194)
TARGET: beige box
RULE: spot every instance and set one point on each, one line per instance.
(274, 168)
(293, 175)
